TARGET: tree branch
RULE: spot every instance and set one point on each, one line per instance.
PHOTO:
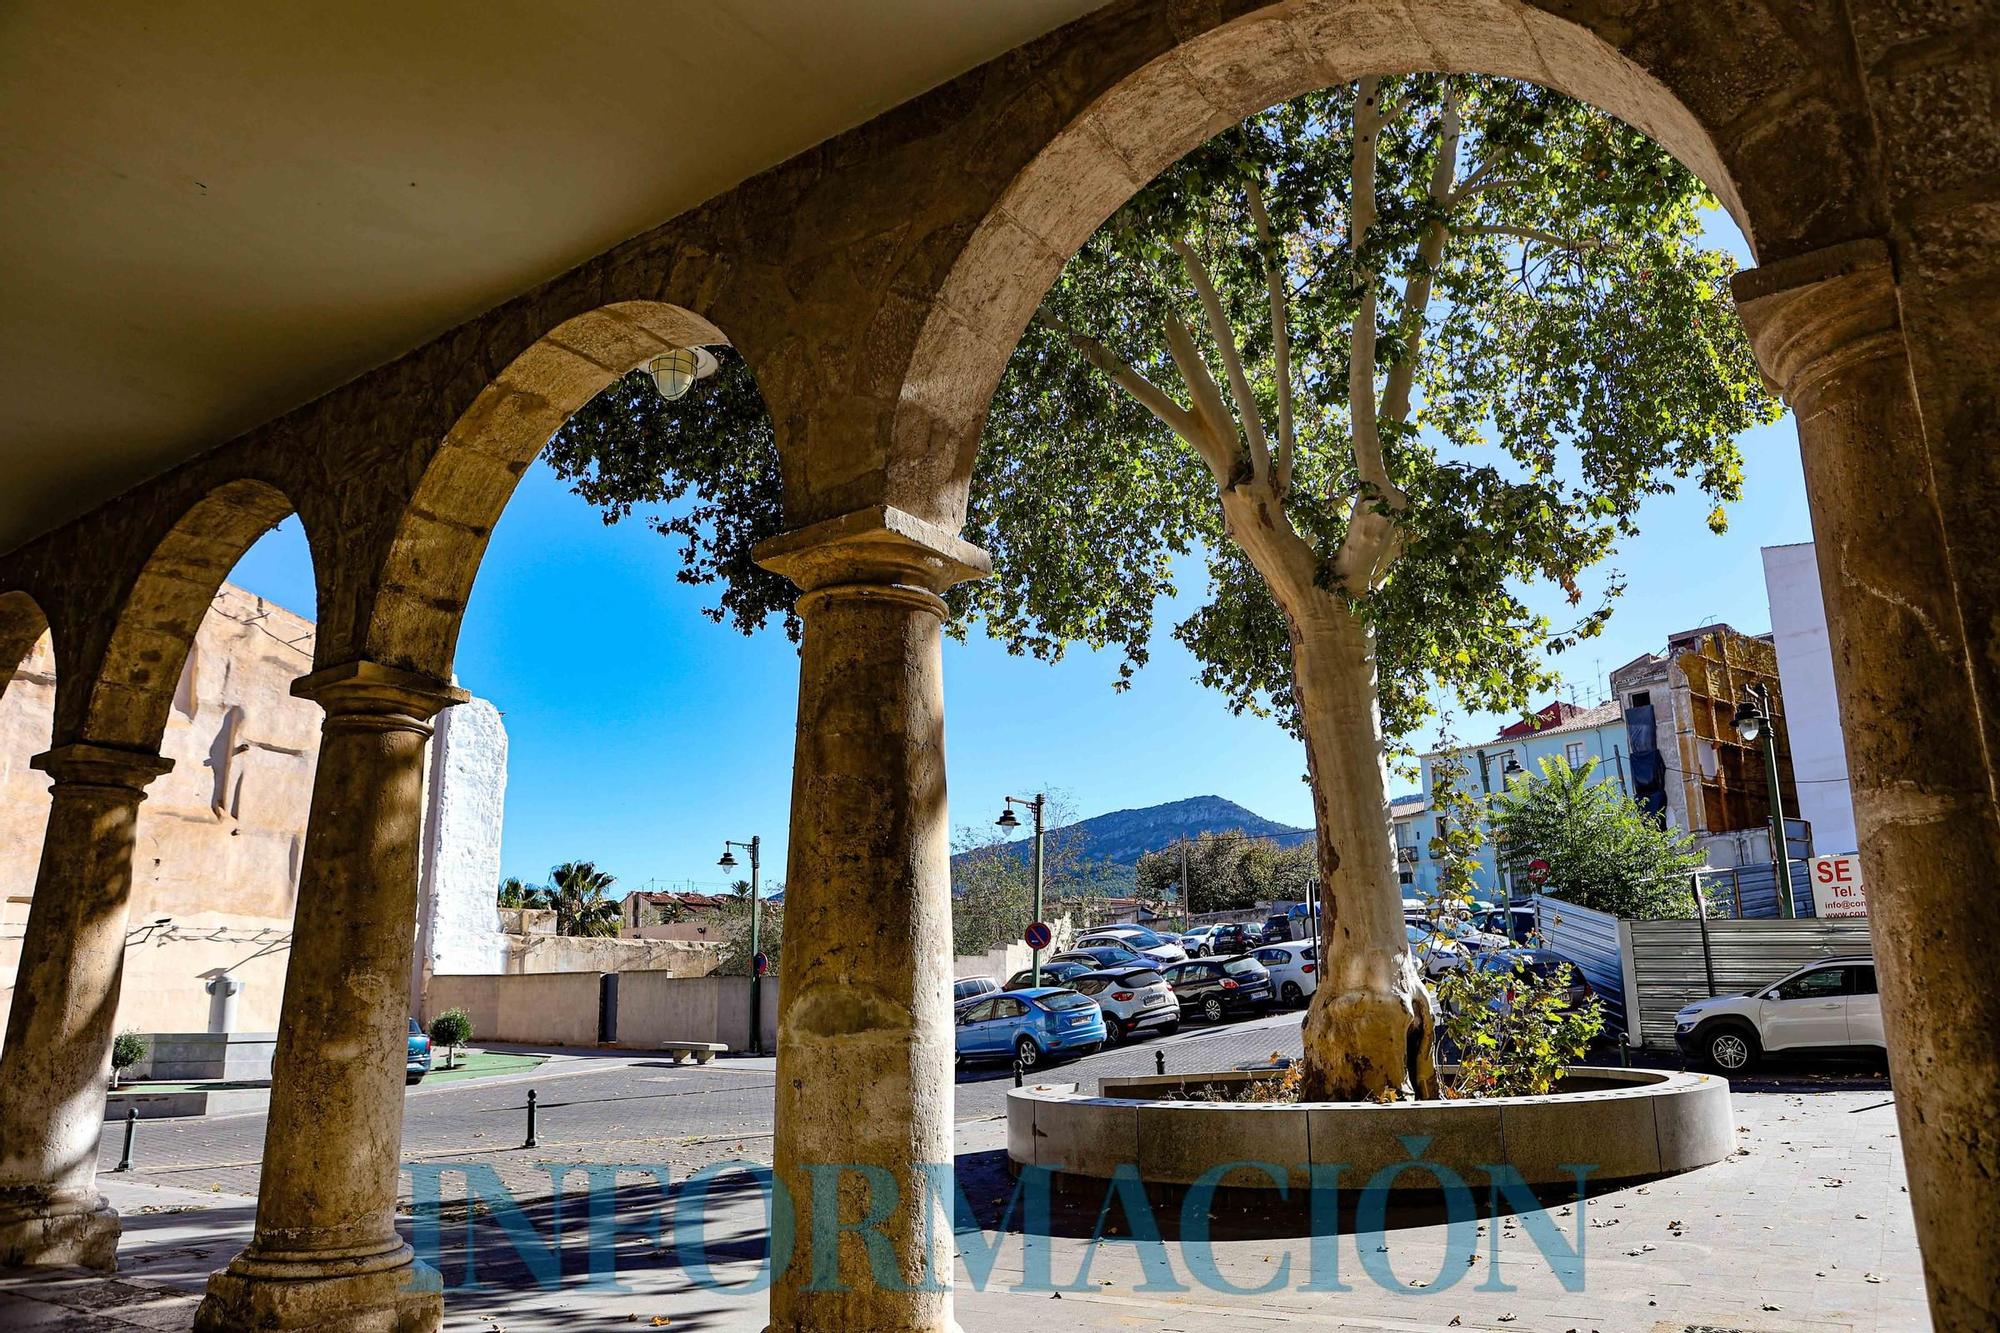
(1148, 395)
(1281, 341)
(1532, 234)
(1232, 360)
(1430, 254)
(1215, 435)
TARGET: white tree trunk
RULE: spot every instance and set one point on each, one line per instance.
(1368, 1032)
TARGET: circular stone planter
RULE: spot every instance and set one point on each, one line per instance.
(1622, 1124)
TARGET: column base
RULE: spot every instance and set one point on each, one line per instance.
(57, 1234)
(337, 1296)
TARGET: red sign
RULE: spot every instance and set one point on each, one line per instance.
(1538, 871)
(1037, 935)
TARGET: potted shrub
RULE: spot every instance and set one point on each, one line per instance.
(127, 1049)
(451, 1030)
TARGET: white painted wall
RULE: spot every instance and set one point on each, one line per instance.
(1805, 670)
(459, 926)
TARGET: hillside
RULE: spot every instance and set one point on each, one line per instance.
(1116, 841)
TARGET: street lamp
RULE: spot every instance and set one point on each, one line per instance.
(1007, 821)
(1753, 723)
(728, 862)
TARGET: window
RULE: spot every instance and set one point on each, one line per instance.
(1574, 753)
(1406, 877)
(1007, 1006)
(1642, 699)
(1089, 985)
(1824, 984)
(1065, 1000)
(1141, 979)
(1242, 966)
(1861, 980)
(978, 1013)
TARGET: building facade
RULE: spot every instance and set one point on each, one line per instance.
(1689, 766)
(1561, 731)
(1825, 797)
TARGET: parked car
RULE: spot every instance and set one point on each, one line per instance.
(1437, 954)
(1469, 936)
(1233, 938)
(1196, 941)
(1516, 923)
(1137, 938)
(1294, 969)
(1828, 1006)
(1277, 928)
(970, 988)
(1029, 1026)
(1132, 998)
(1054, 973)
(1542, 963)
(1218, 987)
(420, 1054)
(1102, 955)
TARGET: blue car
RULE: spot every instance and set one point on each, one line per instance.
(1029, 1026)
(420, 1054)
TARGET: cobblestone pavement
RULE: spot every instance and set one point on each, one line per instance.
(1808, 1228)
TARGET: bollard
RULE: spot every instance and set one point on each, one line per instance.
(1019, 1068)
(1160, 1062)
(131, 1131)
(531, 1120)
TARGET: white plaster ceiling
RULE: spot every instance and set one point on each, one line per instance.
(214, 210)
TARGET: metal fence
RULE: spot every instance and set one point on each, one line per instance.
(1590, 939)
(1646, 971)
(1752, 891)
(1671, 964)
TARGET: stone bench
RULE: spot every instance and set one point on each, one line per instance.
(702, 1051)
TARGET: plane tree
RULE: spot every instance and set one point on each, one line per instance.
(1378, 362)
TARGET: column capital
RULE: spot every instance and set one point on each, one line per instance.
(89, 764)
(1812, 314)
(879, 547)
(368, 690)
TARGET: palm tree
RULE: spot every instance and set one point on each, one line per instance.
(513, 893)
(577, 892)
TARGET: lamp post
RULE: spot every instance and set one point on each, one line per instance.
(728, 862)
(1007, 821)
(1508, 772)
(1754, 722)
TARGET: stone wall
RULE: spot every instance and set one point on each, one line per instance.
(215, 876)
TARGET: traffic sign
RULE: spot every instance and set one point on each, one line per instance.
(1038, 935)
(760, 963)
(1538, 871)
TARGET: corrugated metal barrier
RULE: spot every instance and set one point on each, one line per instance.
(1674, 963)
(1589, 939)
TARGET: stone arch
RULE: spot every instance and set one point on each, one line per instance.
(1152, 97)
(441, 536)
(22, 625)
(126, 699)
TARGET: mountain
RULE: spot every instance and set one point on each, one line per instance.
(1117, 840)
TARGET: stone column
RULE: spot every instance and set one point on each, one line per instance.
(57, 1060)
(865, 1042)
(326, 1254)
(1828, 332)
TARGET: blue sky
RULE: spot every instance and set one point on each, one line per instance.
(641, 734)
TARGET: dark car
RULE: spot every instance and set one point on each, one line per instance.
(1234, 938)
(1054, 973)
(1542, 963)
(1218, 987)
(420, 1054)
(1278, 928)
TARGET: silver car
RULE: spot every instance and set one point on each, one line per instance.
(1159, 948)
(1132, 998)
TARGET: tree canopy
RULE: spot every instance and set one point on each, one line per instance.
(1604, 852)
(1227, 872)
(1551, 340)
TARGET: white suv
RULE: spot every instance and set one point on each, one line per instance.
(1829, 1005)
